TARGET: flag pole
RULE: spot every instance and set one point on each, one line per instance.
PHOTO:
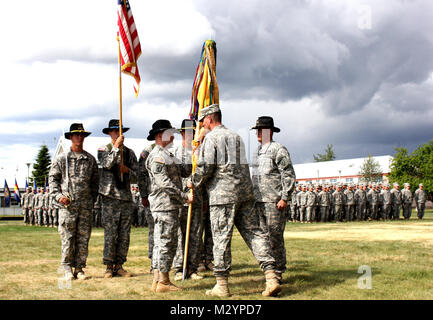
(120, 107)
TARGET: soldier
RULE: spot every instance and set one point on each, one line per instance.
(273, 180)
(134, 214)
(207, 243)
(293, 206)
(350, 203)
(144, 189)
(166, 199)
(420, 199)
(311, 204)
(373, 202)
(184, 154)
(25, 206)
(30, 201)
(361, 201)
(46, 208)
(407, 198)
(339, 201)
(38, 202)
(386, 198)
(301, 200)
(97, 213)
(396, 201)
(119, 165)
(223, 168)
(73, 179)
(324, 201)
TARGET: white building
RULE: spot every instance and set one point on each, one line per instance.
(338, 171)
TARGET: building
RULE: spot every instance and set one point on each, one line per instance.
(339, 170)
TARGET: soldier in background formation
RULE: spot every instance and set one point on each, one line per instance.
(374, 201)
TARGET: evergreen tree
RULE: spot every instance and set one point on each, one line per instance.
(370, 170)
(42, 166)
(329, 155)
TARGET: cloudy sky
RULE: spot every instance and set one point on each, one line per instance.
(355, 74)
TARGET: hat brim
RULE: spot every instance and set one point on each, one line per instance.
(69, 134)
(153, 133)
(274, 129)
(107, 130)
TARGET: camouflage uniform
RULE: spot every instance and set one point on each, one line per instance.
(46, 209)
(222, 167)
(350, 204)
(25, 207)
(184, 156)
(339, 201)
(116, 202)
(420, 199)
(273, 180)
(166, 199)
(38, 202)
(324, 201)
(293, 206)
(386, 198)
(361, 202)
(54, 211)
(143, 181)
(97, 213)
(30, 201)
(396, 203)
(311, 205)
(75, 221)
(301, 199)
(406, 196)
(373, 201)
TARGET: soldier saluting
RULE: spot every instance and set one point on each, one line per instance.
(118, 164)
(74, 179)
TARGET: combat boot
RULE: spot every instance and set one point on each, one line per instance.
(221, 288)
(279, 276)
(109, 272)
(195, 276)
(118, 270)
(67, 274)
(164, 284)
(209, 265)
(155, 280)
(79, 274)
(272, 285)
(201, 267)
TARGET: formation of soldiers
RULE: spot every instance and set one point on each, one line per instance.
(354, 202)
(39, 208)
(222, 192)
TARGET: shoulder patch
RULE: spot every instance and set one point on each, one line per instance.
(160, 160)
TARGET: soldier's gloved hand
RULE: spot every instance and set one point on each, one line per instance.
(65, 201)
(190, 198)
(145, 202)
(119, 141)
(282, 204)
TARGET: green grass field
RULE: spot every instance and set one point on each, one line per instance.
(323, 262)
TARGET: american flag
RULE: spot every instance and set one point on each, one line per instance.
(130, 49)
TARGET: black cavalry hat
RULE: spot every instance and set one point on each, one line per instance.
(159, 126)
(187, 124)
(113, 124)
(76, 128)
(266, 122)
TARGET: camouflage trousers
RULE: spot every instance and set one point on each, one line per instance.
(195, 238)
(302, 213)
(324, 213)
(151, 226)
(46, 217)
(373, 211)
(75, 226)
(55, 216)
(293, 212)
(141, 218)
(350, 212)
(310, 211)
(39, 216)
(407, 210)
(116, 220)
(206, 245)
(273, 222)
(242, 215)
(338, 209)
(165, 239)
(420, 207)
(396, 211)
(26, 215)
(386, 211)
(361, 212)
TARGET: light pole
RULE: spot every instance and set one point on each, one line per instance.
(28, 168)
